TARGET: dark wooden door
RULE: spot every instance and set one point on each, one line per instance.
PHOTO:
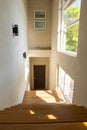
(39, 77)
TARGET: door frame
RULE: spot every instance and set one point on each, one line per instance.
(33, 74)
(44, 75)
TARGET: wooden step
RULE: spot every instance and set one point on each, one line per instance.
(41, 112)
(47, 126)
(42, 115)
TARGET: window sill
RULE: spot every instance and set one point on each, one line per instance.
(68, 53)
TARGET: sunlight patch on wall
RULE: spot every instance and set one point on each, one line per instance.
(66, 84)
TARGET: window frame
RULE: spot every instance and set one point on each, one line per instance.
(61, 44)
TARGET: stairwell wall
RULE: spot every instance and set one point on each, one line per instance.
(12, 64)
(76, 67)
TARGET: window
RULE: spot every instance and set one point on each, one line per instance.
(69, 13)
(39, 14)
(66, 85)
(39, 19)
(39, 24)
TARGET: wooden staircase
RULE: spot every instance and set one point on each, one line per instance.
(43, 116)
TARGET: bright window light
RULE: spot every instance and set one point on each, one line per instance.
(69, 13)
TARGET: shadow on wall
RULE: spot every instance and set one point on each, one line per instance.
(42, 48)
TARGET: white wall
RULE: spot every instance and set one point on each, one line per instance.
(76, 67)
(39, 38)
(39, 61)
(12, 64)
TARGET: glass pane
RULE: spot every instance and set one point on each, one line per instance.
(40, 14)
(39, 25)
(72, 38)
(72, 12)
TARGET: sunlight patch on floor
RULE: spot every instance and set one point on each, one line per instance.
(52, 117)
(31, 112)
(85, 124)
(46, 96)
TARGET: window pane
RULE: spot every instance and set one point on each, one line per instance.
(40, 25)
(69, 26)
(72, 38)
(72, 12)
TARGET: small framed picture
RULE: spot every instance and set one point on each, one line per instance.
(39, 24)
(39, 14)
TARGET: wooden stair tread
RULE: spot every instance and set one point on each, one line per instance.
(42, 115)
(62, 114)
(47, 126)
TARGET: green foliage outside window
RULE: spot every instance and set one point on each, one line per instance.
(70, 15)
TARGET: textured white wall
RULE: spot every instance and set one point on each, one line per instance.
(76, 67)
(12, 68)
